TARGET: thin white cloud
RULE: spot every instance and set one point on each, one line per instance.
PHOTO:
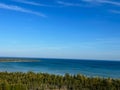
(110, 2)
(31, 3)
(19, 9)
(103, 1)
(115, 11)
(68, 3)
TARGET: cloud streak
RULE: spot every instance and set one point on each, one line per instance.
(68, 4)
(103, 2)
(115, 11)
(109, 2)
(20, 9)
(31, 3)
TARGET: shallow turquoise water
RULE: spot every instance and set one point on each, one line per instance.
(62, 66)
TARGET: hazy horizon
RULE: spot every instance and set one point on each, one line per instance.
(77, 29)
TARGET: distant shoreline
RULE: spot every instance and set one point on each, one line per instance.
(17, 60)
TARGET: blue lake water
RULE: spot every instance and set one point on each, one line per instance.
(62, 66)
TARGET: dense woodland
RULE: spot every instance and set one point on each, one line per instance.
(44, 81)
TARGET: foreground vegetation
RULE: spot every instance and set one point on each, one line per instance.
(44, 81)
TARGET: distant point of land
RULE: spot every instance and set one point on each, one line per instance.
(17, 60)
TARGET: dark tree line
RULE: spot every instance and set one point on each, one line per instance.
(44, 81)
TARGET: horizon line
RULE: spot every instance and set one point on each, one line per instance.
(23, 57)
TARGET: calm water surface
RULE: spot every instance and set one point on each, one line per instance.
(62, 66)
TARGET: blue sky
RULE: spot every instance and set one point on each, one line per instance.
(81, 29)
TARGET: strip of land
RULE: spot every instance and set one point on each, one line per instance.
(17, 60)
